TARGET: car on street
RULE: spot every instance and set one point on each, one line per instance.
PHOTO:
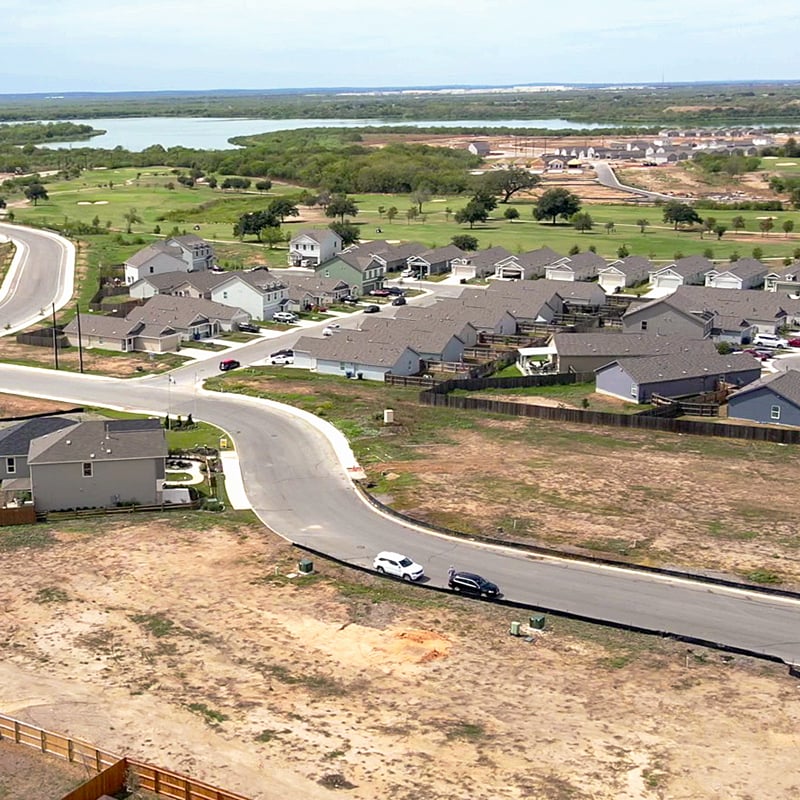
(794, 342)
(248, 327)
(284, 316)
(396, 291)
(769, 340)
(470, 583)
(282, 360)
(328, 330)
(379, 293)
(399, 301)
(229, 363)
(372, 309)
(761, 355)
(400, 566)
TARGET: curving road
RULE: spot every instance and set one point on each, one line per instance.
(40, 275)
(294, 472)
(607, 177)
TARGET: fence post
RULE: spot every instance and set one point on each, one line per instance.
(43, 739)
(17, 738)
(70, 750)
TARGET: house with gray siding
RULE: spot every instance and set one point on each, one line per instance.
(746, 273)
(622, 273)
(304, 292)
(393, 257)
(358, 268)
(98, 464)
(482, 263)
(580, 267)
(121, 334)
(773, 399)
(192, 318)
(442, 316)
(674, 375)
(669, 316)
(436, 261)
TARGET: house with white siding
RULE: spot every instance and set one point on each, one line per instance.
(312, 247)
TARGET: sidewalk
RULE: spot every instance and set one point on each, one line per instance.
(234, 486)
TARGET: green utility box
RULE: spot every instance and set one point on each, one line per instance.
(305, 566)
(537, 622)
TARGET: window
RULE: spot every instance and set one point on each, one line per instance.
(11, 465)
(644, 324)
(635, 391)
(224, 295)
(87, 469)
(775, 412)
(152, 270)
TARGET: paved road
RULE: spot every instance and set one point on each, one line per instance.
(41, 274)
(298, 485)
(606, 176)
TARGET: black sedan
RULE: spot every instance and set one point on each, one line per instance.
(470, 583)
(372, 309)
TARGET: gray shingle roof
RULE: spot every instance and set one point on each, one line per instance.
(352, 346)
(423, 338)
(624, 345)
(785, 384)
(632, 265)
(96, 440)
(319, 235)
(181, 312)
(676, 366)
(100, 325)
(15, 440)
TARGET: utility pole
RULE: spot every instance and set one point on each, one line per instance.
(80, 340)
(55, 337)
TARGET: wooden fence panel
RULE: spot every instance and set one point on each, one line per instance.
(24, 515)
(108, 782)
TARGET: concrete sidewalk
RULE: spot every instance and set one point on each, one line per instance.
(234, 486)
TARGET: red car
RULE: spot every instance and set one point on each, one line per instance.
(794, 342)
(380, 293)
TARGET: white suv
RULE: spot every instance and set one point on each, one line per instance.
(284, 316)
(398, 565)
(769, 340)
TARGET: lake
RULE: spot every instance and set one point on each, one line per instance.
(204, 133)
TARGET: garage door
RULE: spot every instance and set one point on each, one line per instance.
(667, 282)
(463, 271)
(610, 283)
(725, 282)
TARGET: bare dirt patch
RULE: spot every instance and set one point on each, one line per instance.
(34, 776)
(12, 405)
(185, 645)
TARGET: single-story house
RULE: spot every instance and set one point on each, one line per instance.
(529, 301)
(121, 334)
(746, 273)
(304, 292)
(674, 375)
(436, 261)
(433, 342)
(579, 267)
(479, 147)
(312, 247)
(624, 272)
(99, 464)
(481, 263)
(772, 399)
(670, 316)
(188, 253)
(683, 272)
(394, 257)
(531, 264)
(440, 317)
(353, 354)
(785, 280)
(192, 318)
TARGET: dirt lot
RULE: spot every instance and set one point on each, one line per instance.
(24, 773)
(181, 641)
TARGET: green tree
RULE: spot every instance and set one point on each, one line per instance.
(381, 211)
(794, 197)
(719, 230)
(253, 223)
(556, 203)
(582, 221)
(734, 256)
(3, 202)
(473, 212)
(610, 227)
(574, 250)
(263, 186)
(272, 235)
(420, 195)
(347, 230)
(37, 192)
(680, 214)
(511, 214)
(507, 182)
(708, 253)
(411, 214)
(465, 242)
(642, 223)
(448, 212)
(709, 223)
(280, 208)
(623, 252)
(766, 225)
(131, 218)
(788, 227)
(391, 213)
(340, 205)
(758, 253)
(739, 223)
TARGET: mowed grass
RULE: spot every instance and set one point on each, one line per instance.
(215, 212)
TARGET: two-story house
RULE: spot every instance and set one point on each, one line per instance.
(312, 247)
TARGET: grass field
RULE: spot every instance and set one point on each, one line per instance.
(109, 194)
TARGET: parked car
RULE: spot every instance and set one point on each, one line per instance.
(470, 583)
(372, 309)
(284, 316)
(769, 340)
(400, 566)
(399, 301)
(408, 273)
(284, 352)
(794, 342)
(281, 359)
(248, 327)
(228, 363)
(350, 299)
(328, 331)
(761, 355)
(379, 293)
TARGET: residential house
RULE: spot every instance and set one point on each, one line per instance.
(177, 283)
(683, 272)
(554, 162)
(312, 247)
(442, 317)
(625, 272)
(121, 334)
(674, 375)
(579, 267)
(259, 292)
(529, 265)
(669, 316)
(192, 318)
(746, 273)
(586, 352)
(187, 253)
(305, 292)
(353, 354)
(784, 280)
(357, 268)
(479, 147)
(393, 257)
(432, 342)
(15, 441)
(481, 263)
(98, 464)
(529, 301)
(436, 261)
(773, 399)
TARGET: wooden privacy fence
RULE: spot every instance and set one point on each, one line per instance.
(23, 515)
(108, 767)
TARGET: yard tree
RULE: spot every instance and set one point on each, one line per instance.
(642, 223)
(391, 213)
(263, 186)
(758, 253)
(411, 214)
(211, 182)
(281, 208)
(680, 214)
(719, 230)
(511, 214)
(131, 218)
(709, 223)
(766, 225)
(37, 192)
(422, 194)
(556, 203)
(623, 252)
(582, 221)
(610, 227)
(340, 205)
(272, 235)
(348, 232)
(253, 223)
(473, 212)
(734, 256)
(788, 226)
(574, 250)
(507, 182)
(465, 242)
(739, 223)
(794, 197)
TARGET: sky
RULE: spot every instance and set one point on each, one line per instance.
(148, 45)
